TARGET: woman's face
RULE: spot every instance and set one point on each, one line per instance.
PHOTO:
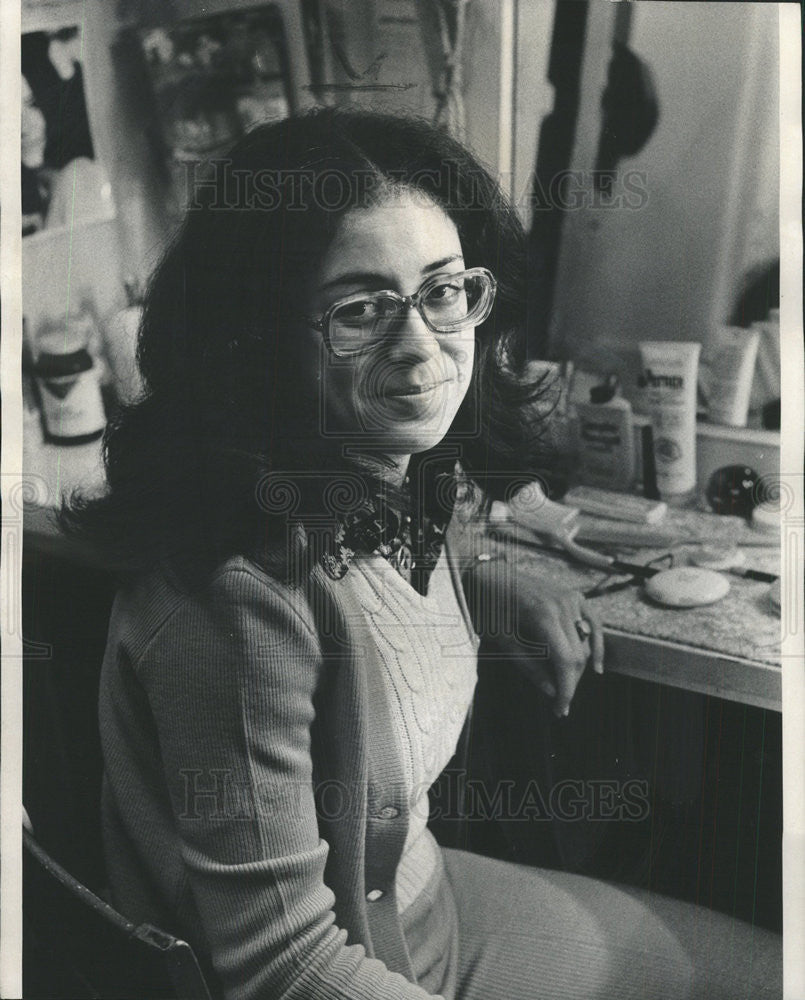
(401, 396)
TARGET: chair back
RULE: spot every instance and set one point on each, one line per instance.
(76, 945)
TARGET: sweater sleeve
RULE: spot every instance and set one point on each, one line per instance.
(230, 679)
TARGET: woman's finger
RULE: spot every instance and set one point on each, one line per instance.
(596, 639)
(568, 672)
(587, 628)
(576, 622)
(563, 663)
(566, 656)
(536, 671)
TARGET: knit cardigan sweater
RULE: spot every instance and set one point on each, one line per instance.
(254, 799)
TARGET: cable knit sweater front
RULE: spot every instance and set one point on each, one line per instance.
(254, 795)
(429, 654)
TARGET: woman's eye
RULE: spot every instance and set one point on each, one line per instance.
(446, 295)
(446, 291)
(361, 311)
(367, 312)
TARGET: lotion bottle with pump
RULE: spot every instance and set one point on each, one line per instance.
(605, 439)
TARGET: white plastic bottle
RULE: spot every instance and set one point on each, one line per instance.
(606, 439)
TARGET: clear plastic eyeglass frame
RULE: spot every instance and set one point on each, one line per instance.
(370, 338)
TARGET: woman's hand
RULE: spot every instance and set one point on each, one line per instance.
(570, 635)
(551, 635)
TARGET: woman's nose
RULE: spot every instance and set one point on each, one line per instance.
(411, 340)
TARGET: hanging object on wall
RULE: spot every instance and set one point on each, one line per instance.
(630, 110)
(443, 24)
(554, 155)
(630, 105)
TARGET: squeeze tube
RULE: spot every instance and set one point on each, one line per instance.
(732, 372)
(668, 383)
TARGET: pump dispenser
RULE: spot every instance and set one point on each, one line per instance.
(605, 438)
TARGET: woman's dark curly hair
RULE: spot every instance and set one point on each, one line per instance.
(226, 423)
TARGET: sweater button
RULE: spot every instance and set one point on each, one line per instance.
(388, 812)
(374, 894)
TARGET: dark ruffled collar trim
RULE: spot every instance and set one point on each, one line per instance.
(412, 546)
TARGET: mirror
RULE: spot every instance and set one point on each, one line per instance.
(685, 246)
(63, 183)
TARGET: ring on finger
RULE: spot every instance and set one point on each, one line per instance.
(583, 629)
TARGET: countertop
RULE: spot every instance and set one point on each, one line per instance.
(730, 648)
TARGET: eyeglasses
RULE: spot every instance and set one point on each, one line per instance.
(447, 303)
(606, 585)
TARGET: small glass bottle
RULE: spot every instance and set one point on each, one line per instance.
(69, 389)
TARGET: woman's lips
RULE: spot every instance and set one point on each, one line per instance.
(416, 390)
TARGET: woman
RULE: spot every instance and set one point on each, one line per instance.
(291, 658)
